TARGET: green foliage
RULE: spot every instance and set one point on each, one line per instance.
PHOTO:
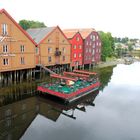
(26, 24)
(130, 47)
(107, 45)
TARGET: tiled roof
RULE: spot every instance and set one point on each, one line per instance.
(69, 34)
(83, 31)
(38, 34)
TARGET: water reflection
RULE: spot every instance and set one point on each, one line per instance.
(26, 116)
(105, 76)
(18, 110)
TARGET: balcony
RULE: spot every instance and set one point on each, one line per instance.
(57, 53)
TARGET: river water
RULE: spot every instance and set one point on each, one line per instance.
(112, 113)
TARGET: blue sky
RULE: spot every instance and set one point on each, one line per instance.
(120, 17)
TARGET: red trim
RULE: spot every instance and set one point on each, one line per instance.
(67, 96)
(75, 74)
(85, 72)
(18, 26)
(62, 77)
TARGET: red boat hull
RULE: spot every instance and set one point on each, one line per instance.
(71, 96)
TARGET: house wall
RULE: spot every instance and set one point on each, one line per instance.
(14, 54)
(76, 52)
(92, 48)
(55, 40)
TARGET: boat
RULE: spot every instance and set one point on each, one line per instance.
(71, 85)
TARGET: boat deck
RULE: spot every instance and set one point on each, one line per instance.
(79, 84)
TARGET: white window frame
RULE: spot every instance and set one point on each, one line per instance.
(74, 46)
(49, 50)
(5, 48)
(64, 58)
(80, 55)
(74, 55)
(49, 59)
(22, 48)
(64, 49)
(5, 61)
(4, 29)
(22, 60)
(77, 38)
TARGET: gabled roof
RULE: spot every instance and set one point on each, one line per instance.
(70, 34)
(38, 34)
(18, 26)
(83, 31)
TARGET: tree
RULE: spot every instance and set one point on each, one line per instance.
(26, 24)
(107, 43)
(130, 47)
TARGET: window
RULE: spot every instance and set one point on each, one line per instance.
(63, 58)
(93, 38)
(4, 29)
(87, 42)
(22, 48)
(5, 48)
(49, 49)
(96, 50)
(23, 106)
(93, 46)
(86, 50)
(97, 43)
(80, 46)
(97, 37)
(22, 60)
(90, 43)
(5, 61)
(49, 59)
(89, 50)
(93, 51)
(8, 122)
(80, 55)
(8, 112)
(74, 46)
(64, 50)
(77, 38)
(37, 50)
(74, 55)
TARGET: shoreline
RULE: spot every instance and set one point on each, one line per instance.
(110, 63)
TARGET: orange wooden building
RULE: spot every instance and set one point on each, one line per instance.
(53, 48)
(17, 49)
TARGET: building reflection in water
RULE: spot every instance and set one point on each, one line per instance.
(17, 111)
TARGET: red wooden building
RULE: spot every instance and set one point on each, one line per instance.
(91, 45)
(76, 41)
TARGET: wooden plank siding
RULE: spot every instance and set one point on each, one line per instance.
(15, 57)
(76, 41)
(53, 41)
(92, 48)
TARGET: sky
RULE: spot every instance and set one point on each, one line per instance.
(120, 17)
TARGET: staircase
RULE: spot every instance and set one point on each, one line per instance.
(46, 69)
